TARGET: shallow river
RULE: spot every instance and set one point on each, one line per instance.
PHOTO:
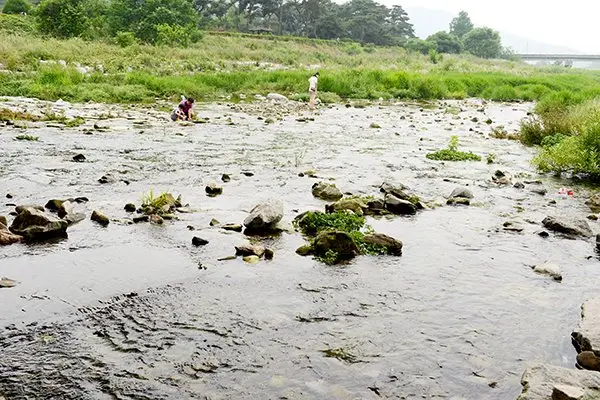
(125, 312)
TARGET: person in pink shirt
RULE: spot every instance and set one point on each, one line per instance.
(183, 112)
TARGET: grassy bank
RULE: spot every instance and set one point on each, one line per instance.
(222, 65)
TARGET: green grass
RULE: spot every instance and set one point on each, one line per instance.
(10, 115)
(75, 122)
(161, 204)
(451, 153)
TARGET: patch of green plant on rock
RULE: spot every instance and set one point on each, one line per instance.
(10, 115)
(28, 138)
(161, 204)
(75, 122)
(313, 223)
(340, 354)
(451, 153)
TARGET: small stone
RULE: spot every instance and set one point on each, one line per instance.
(251, 259)
(543, 234)
(566, 392)
(79, 158)
(54, 205)
(269, 254)
(65, 209)
(232, 227)
(226, 258)
(519, 185)
(106, 179)
(250, 250)
(3, 221)
(130, 207)
(462, 192)
(568, 226)
(458, 201)
(213, 190)
(375, 125)
(592, 217)
(79, 200)
(326, 191)
(541, 191)
(549, 269)
(196, 241)
(34, 224)
(7, 283)
(156, 219)
(305, 250)
(398, 206)
(225, 178)
(264, 216)
(248, 173)
(168, 217)
(588, 360)
(9, 196)
(142, 218)
(214, 222)
(100, 218)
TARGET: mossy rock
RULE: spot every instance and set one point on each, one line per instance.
(335, 247)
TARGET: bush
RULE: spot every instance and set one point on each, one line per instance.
(62, 18)
(17, 7)
(451, 153)
(176, 35)
(125, 39)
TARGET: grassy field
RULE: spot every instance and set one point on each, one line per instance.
(221, 65)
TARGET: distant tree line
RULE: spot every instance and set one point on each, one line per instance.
(179, 22)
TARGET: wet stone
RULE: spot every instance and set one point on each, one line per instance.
(213, 190)
(130, 207)
(214, 222)
(156, 219)
(326, 191)
(552, 270)
(65, 209)
(357, 206)
(225, 178)
(232, 227)
(462, 192)
(54, 204)
(251, 259)
(567, 392)
(458, 201)
(3, 221)
(264, 216)
(196, 241)
(9, 196)
(587, 336)
(305, 250)
(250, 250)
(519, 185)
(7, 283)
(568, 226)
(79, 158)
(543, 381)
(107, 179)
(398, 206)
(142, 218)
(248, 173)
(541, 191)
(100, 218)
(269, 254)
(339, 242)
(34, 224)
(392, 246)
(7, 237)
(588, 360)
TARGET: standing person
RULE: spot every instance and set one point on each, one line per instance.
(312, 89)
(183, 112)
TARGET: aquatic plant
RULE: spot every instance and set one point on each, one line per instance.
(27, 138)
(451, 153)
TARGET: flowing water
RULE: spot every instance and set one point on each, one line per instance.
(137, 312)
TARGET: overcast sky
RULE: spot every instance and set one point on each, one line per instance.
(570, 23)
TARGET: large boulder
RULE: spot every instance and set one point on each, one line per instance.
(545, 382)
(264, 216)
(391, 245)
(398, 206)
(326, 191)
(587, 336)
(568, 226)
(34, 224)
(339, 243)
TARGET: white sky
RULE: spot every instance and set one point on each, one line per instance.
(572, 23)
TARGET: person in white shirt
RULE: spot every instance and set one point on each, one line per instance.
(312, 89)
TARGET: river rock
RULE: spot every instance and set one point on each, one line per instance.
(100, 218)
(141, 218)
(34, 224)
(549, 269)
(461, 192)
(251, 259)
(130, 207)
(7, 283)
(276, 97)
(214, 222)
(594, 203)
(305, 250)
(545, 382)
(338, 242)
(3, 221)
(572, 226)
(542, 191)
(501, 178)
(156, 219)
(393, 246)
(7, 237)
(398, 206)
(326, 191)
(375, 207)
(196, 241)
(264, 216)
(79, 158)
(458, 201)
(232, 227)
(65, 209)
(269, 254)
(519, 185)
(19, 209)
(587, 336)
(225, 178)
(250, 250)
(588, 360)
(54, 204)
(213, 190)
(108, 178)
(357, 206)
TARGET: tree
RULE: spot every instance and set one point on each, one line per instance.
(144, 18)
(419, 45)
(400, 24)
(445, 43)
(17, 7)
(363, 21)
(62, 18)
(461, 25)
(484, 43)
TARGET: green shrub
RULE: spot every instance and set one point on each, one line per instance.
(17, 7)
(353, 49)
(62, 18)
(451, 153)
(125, 39)
(314, 222)
(553, 140)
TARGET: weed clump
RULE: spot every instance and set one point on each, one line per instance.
(10, 115)
(163, 204)
(75, 122)
(451, 153)
(28, 138)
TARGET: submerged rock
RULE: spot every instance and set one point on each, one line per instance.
(264, 216)
(549, 269)
(545, 382)
(269, 254)
(339, 243)
(392, 246)
(250, 250)
(400, 207)
(213, 190)
(519, 185)
(587, 336)
(501, 178)
(542, 191)
(107, 179)
(326, 191)
(571, 227)
(100, 218)
(34, 224)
